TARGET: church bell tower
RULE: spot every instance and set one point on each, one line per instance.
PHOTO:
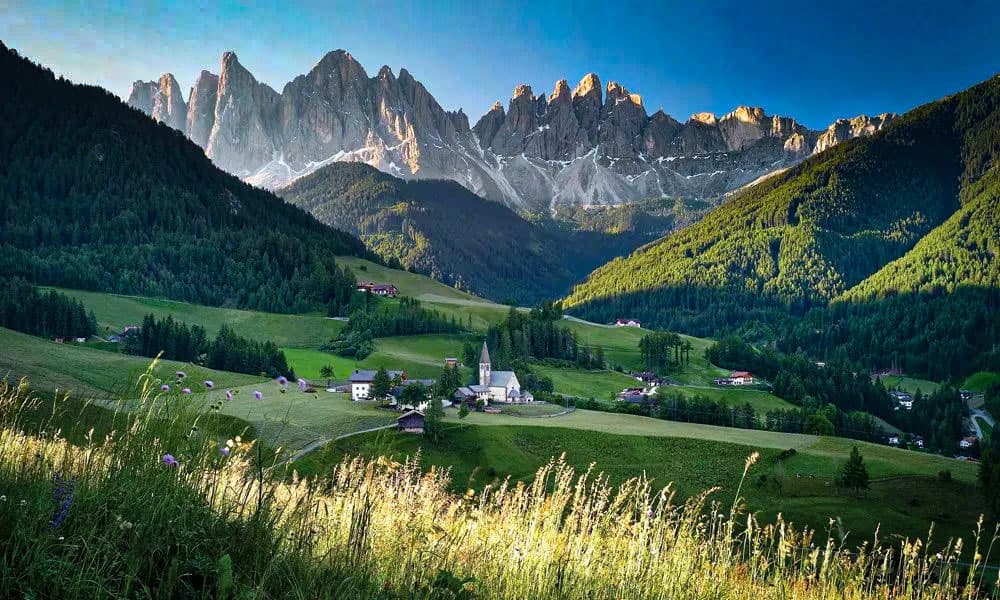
(484, 366)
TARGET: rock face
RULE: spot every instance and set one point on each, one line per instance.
(161, 100)
(594, 144)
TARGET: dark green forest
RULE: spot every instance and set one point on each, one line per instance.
(95, 195)
(175, 340)
(26, 309)
(886, 246)
(443, 230)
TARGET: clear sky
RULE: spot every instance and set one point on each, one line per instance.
(815, 60)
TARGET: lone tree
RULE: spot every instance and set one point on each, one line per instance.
(381, 384)
(434, 421)
(853, 474)
(326, 372)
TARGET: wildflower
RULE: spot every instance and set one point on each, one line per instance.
(169, 460)
(230, 443)
(164, 388)
(63, 495)
(282, 380)
(125, 525)
(3, 498)
(258, 395)
(238, 439)
(302, 384)
(24, 502)
(210, 384)
(649, 513)
(180, 374)
(229, 395)
(224, 451)
(187, 391)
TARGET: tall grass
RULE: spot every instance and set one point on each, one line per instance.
(109, 517)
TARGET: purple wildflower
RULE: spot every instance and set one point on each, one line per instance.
(187, 391)
(282, 380)
(210, 384)
(169, 460)
(164, 388)
(224, 450)
(302, 384)
(258, 395)
(229, 395)
(63, 495)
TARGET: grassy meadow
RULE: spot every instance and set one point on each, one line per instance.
(906, 494)
(163, 508)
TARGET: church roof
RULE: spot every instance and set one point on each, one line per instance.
(500, 378)
(484, 356)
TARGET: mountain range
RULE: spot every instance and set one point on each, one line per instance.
(591, 145)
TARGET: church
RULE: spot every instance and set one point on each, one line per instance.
(495, 386)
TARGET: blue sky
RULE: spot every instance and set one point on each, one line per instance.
(814, 60)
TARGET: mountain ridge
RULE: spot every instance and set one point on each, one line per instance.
(592, 145)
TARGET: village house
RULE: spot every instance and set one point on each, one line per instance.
(397, 395)
(894, 439)
(412, 421)
(387, 290)
(645, 376)
(902, 399)
(361, 382)
(451, 362)
(627, 323)
(736, 378)
(968, 441)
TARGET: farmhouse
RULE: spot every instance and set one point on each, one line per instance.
(903, 400)
(451, 362)
(968, 442)
(361, 382)
(498, 386)
(411, 421)
(736, 378)
(379, 289)
(627, 323)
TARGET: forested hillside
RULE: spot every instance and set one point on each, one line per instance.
(95, 195)
(443, 230)
(845, 226)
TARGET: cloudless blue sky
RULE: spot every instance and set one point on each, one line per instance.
(814, 60)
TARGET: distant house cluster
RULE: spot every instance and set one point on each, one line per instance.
(386, 290)
(640, 395)
(627, 323)
(736, 378)
(120, 337)
(361, 382)
(494, 386)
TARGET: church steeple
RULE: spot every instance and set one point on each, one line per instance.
(484, 366)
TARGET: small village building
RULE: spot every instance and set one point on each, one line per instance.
(741, 378)
(645, 376)
(902, 399)
(894, 439)
(968, 441)
(387, 290)
(451, 362)
(412, 421)
(80, 340)
(627, 323)
(361, 382)
(918, 441)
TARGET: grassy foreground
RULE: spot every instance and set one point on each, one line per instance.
(162, 509)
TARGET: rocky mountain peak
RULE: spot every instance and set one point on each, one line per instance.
(201, 108)
(561, 92)
(705, 118)
(161, 99)
(616, 92)
(745, 114)
(523, 89)
(590, 84)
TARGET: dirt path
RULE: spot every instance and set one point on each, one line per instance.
(311, 446)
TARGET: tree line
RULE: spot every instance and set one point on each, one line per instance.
(190, 343)
(25, 308)
(376, 318)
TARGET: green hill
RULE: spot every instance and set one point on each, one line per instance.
(442, 229)
(95, 195)
(890, 222)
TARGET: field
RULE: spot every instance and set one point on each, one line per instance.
(905, 496)
(114, 312)
(421, 356)
(981, 381)
(910, 384)
(433, 294)
(90, 372)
